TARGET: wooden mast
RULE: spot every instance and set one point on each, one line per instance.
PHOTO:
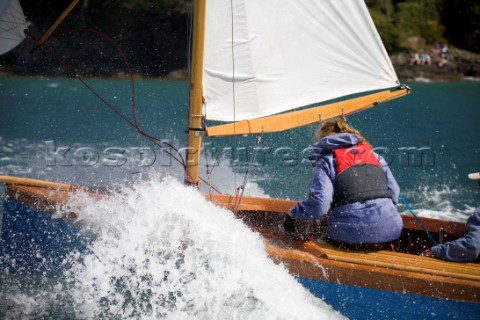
(195, 130)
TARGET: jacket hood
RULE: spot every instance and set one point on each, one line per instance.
(329, 143)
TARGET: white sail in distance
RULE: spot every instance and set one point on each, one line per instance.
(288, 54)
(12, 25)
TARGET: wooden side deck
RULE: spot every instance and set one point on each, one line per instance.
(384, 270)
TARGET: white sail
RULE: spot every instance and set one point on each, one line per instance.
(12, 25)
(287, 54)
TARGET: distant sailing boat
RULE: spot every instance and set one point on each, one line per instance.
(261, 65)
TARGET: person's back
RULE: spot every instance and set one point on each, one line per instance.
(357, 185)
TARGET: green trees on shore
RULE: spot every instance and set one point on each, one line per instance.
(403, 24)
(413, 24)
(153, 34)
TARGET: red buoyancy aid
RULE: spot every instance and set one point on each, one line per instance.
(359, 176)
(359, 154)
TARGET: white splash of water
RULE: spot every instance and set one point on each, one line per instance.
(438, 200)
(225, 179)
(162, 251)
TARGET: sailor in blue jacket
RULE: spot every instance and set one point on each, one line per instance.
(463, 249)
(356, 184)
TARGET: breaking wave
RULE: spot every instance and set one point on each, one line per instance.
(162, 251)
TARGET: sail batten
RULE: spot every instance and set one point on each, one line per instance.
(285, 55)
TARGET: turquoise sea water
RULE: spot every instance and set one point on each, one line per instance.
(57, 130)
(430, 138)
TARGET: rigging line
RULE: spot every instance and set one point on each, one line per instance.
(215, 189)
(154, 140)
(125, 60)
(207, 172)
(217, 160)
(245, 179)
(413, 213)
(158, 142)
(135, 123)
(233, 84)
(13, 26)
(189, 56)
(417, 219)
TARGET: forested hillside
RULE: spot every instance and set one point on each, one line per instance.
(410, 24)
(154, 33)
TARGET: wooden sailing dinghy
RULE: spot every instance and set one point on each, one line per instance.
(263, 66)
(36, 241)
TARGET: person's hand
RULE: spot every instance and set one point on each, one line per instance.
(427, 253)
(289, 224)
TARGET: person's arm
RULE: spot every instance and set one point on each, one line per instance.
(391, 182)
(463, 249)
(320, 195)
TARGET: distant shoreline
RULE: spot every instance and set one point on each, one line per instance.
(176, 75)
(423, 76)
(464, 66)
(461, 65)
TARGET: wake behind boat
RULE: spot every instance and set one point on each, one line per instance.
(263, 73)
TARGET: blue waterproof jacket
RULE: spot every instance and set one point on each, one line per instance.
(369, 221)
(463, 249)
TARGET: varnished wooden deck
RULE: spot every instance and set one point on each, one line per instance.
(384, 270)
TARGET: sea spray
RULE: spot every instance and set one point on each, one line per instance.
(162, 251)
(439, 202)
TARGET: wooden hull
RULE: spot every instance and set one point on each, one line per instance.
(316, 264)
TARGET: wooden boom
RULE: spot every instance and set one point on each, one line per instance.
(300, 118)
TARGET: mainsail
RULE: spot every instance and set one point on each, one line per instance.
(12, 25)
(266, 57)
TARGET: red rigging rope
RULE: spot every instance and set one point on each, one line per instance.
(162, 144)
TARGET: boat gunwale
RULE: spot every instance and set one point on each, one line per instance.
(410, 274)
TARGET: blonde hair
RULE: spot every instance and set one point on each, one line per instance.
(335, 126)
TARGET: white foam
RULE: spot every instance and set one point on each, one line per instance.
(437, 203)
(163, 251)
(227, 181)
